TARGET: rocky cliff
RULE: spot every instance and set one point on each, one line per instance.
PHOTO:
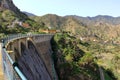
(8, 4)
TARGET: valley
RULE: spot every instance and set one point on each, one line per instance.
(81, 45)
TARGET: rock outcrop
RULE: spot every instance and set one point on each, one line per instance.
(8, 4)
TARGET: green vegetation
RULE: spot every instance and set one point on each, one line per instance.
(96, 41)
(90, 43)
(12, 23)
(71, 61)
(75, 59)
(104, 28)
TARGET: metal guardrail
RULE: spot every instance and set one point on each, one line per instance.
(11, 68)
(12, 72)
(14, 37)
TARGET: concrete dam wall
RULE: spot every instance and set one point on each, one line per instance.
(33, 56)
(31, 64)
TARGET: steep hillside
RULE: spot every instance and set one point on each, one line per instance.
(99, 27)
(53, 21)
(13, 21)
(8, 4)
(99, 36)
(79, 60)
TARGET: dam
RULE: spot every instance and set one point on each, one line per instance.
(27, 57)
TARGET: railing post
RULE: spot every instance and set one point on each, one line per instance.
(101, 73)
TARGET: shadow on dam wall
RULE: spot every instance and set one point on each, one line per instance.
(31, 63)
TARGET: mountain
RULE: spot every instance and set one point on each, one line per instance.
(85, 42)
(50, 20)
(99, 36)
(101, 27)
(29, 14)
(13, 21)
(85, 20)
(8, 4)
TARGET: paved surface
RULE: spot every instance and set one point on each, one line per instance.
(1, 69)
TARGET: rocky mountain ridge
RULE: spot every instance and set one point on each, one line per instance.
(12, 20)
(101, 27)
(8, 4)
(105, 19)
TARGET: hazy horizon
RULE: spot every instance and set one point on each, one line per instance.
(86, 8)
(69, 15)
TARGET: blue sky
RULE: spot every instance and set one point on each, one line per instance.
(70, 7)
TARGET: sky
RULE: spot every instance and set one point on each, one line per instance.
(70, 7)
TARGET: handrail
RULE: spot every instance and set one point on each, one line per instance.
(20, 73)
(14, 37)
(15, 66)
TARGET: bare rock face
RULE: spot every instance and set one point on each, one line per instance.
(8, 4)
(4, 4)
